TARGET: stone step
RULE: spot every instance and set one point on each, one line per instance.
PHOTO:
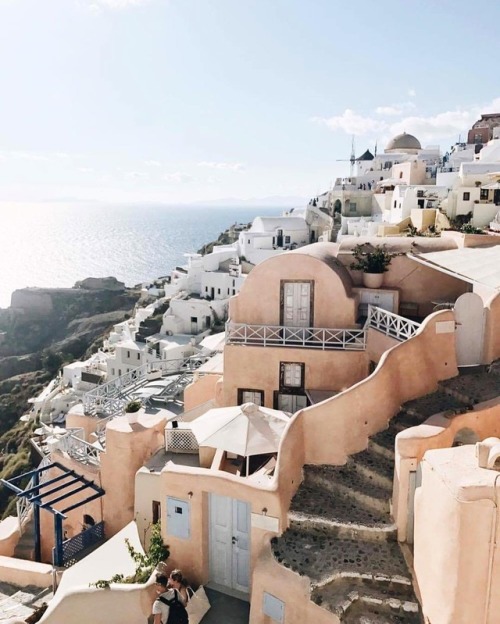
(375, 613)
(473, 388)
(314, 508)
(347, 481)
(347, 595)
(374, 466)
(382, 443)
(436, 403)
(323, 557)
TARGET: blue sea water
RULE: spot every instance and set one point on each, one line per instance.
(54, 246)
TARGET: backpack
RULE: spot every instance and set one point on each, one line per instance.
(177, 613)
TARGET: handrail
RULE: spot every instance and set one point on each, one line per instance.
(110, 397)
(306, 337)
(391, 324)
(79, 449)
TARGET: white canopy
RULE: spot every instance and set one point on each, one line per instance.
(246, 430)
(472, 264)
(492, 186)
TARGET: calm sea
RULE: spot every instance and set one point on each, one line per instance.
(56, 246)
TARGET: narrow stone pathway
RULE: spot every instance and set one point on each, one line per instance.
(341, 534)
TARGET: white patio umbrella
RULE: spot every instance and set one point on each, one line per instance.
(246, 429)
(492, 186)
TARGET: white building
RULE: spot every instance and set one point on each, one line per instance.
(270, 235)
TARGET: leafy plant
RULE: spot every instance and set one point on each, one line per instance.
(372, 259)
(145, 564)
(133, 406)
(468, 228)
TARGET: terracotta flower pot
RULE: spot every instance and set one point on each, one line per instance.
(373, 280)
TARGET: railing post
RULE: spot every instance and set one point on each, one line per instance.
(58, 534)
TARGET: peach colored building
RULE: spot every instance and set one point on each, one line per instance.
(368, 509)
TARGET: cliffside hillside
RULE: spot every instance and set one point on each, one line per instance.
(42, 329)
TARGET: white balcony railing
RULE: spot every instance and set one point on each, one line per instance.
(391, 324)
(306, 337)
(110, 398)
(79, 449)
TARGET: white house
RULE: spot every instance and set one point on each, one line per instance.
(270, 235)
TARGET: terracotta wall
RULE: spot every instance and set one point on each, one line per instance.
(116, 605)
(258, 302)
(341, 426)
(192, 555)
(289, 587)
(258, 368)
(453, 537)
(24, 573)
(201, 390)
(491, 349)
(416, 283)
(9, 535)
(437, 433)
(74, 522)
(128, 447)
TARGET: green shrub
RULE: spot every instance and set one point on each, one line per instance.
(133, 406)
(144, 564)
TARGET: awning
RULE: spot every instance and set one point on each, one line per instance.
(476, 265)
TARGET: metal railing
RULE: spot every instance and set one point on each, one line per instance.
(23, 504)
(73, 547)
(111, 397)
(79, 449)
(391, 324)
(307, 337)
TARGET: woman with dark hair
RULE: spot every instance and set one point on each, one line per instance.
(177, 581)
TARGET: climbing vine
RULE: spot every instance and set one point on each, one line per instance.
(145, 564)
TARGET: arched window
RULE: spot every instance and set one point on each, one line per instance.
(88, 521)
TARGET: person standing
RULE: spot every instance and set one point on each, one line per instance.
(169, 607)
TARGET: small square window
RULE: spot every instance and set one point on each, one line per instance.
(292, 375)
(466, 196)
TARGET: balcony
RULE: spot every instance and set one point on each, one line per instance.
(304, 337)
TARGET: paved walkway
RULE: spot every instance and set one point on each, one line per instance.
(226, 609)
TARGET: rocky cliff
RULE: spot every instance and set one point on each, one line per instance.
(43, 328)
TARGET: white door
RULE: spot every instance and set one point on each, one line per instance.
(297, 304)
(230, 542)
(469, 319)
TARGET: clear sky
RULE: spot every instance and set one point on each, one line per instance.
(184, 100)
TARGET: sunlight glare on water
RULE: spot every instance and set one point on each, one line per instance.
(54, 246)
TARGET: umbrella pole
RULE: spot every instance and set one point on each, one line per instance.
(248, 465)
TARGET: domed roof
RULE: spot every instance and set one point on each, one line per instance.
(403, 141)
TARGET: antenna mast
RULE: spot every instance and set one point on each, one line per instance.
(352, 159)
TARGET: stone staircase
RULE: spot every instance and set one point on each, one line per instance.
(25, 548)
(341, 533)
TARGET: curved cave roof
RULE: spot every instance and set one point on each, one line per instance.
(326, 253)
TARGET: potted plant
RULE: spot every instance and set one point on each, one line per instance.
(132, 410)
(373, 261)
